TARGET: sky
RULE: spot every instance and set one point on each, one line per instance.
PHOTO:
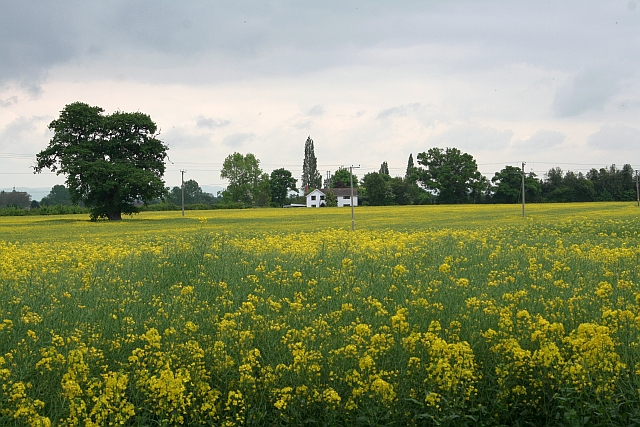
(549, 83)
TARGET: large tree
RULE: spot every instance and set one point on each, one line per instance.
(311, 177)
(378, 189)
(111, 161)
(342, 179)
(507, 186)
(452, 174)
(59, 195)
(281, 182)
(244, 175)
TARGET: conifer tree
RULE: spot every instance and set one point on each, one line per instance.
(311, 177)
(411, 169)
(384, 169)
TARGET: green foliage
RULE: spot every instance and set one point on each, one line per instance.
(193, 194)
(384, 169)
(17, 199)
(311, 177)
(507, 186)
(379, 192)
(331, 199)
(59, 195)
(244, 175)
(452, 174)
(110, 161)
(342, 179)
(281, 182)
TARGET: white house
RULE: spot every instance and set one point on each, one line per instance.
(318, 198)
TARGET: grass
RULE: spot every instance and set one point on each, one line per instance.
(426, 315)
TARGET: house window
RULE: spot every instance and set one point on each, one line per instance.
(313, 197)
(321, 197)
(346, 197)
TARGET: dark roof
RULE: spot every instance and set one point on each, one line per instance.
(340, 192)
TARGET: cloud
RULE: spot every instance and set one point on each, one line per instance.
(9, 101)
(22, 129)
(472, 137)
(542, 139)
(238, 139)
(400, 111)
(615, 137)
(211, 123)
(181, 138)
(316, 110)
(589, 91)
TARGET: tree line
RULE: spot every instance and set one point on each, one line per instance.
(114, 164)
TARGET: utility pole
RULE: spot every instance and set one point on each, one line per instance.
(637, 189)
(523, 163)
(353, 217)
(182, 171)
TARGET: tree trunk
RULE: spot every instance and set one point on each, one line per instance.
(114, 216)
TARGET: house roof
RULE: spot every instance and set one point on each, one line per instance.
(340, 192)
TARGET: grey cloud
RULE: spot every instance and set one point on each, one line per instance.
(238, 139)
(588, 91)
(472, 137)
(542, 139)
(163, 40)
(615, 137)
(399, 111)
(9, 101)
(180, 137)
(21, 128)
(211, 123)
(316, 110)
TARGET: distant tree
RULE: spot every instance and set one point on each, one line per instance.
(16, 199)
(331, 199)
(453, 175)
(111, 162)
(262, 191)
(384, 169)
(507, 186)
(244, 175)
(34, 204)
(311, 177)
(378, 189)
(613, 184)
(411, 173)
(281, 183)
(59, 195)
(342, 179)
(193, 194)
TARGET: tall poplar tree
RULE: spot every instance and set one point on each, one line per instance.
(311, 177)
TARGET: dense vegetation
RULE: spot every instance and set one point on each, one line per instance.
(463, 315)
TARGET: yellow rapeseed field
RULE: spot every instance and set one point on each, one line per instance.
(425, 315)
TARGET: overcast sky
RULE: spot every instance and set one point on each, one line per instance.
(550, 83)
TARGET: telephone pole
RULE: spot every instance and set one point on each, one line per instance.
(637, 189)
(353, 218)
(182, 171)
(523, 163)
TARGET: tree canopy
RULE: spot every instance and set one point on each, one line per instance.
(452, 174)
(342, 179)
(281, 182)
(378, 189)
(507, 186)
(111, 162)
(193, 194)
(59, 195)
(311, 177)
(244, 175)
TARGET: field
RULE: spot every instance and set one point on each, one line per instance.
(425, 315)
